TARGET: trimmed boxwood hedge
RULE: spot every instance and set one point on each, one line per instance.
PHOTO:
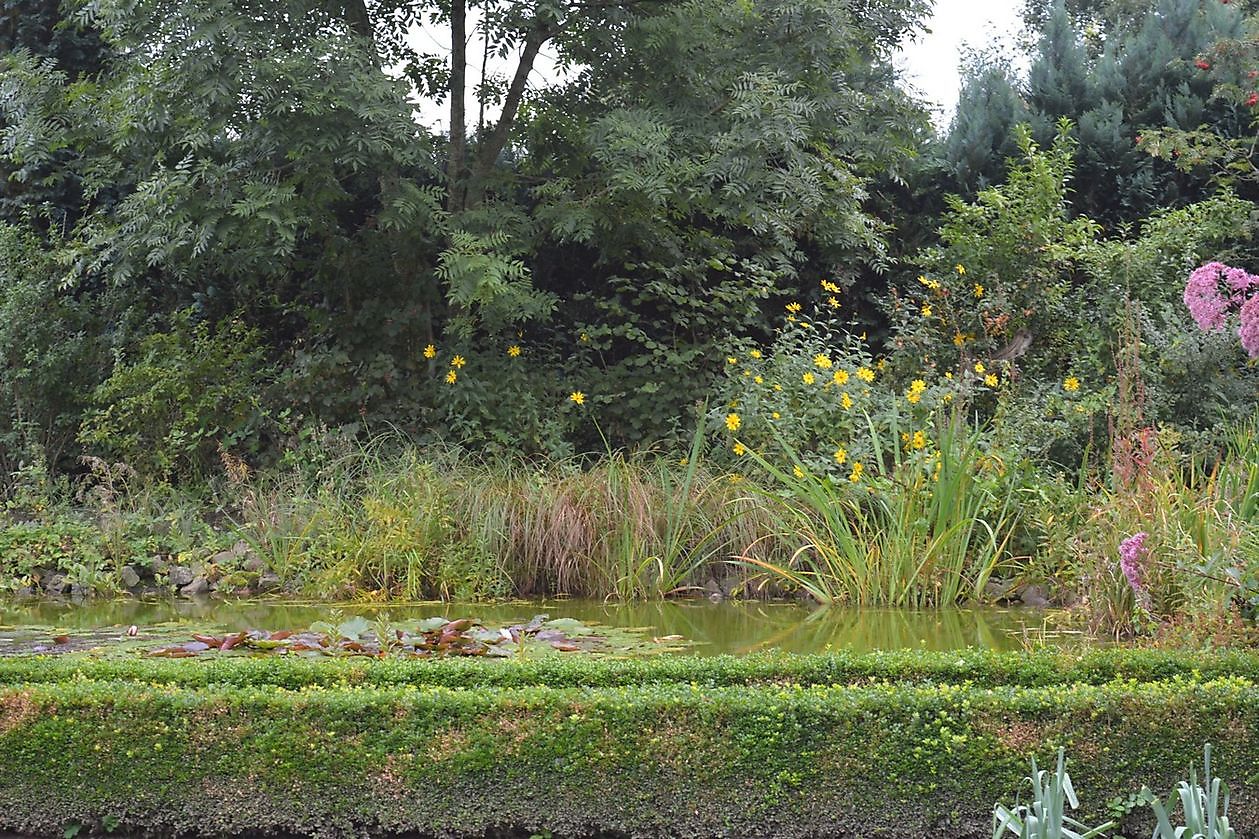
(794, 747)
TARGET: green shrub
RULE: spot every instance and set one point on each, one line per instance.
(647, 759)
(184, 394)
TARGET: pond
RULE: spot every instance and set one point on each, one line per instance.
(736, 627)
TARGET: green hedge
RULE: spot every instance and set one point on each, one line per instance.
(664, 757)
(1041, 668)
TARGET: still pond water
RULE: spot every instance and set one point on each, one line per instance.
(713, 628)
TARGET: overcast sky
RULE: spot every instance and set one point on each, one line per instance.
(930, 62)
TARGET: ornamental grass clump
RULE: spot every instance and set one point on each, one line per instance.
(1045, 816)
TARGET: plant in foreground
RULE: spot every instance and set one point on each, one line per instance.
(1045, 816)
(1205, 811)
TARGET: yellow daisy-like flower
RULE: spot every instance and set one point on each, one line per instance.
(934, 285)
(841, 455)
(775, 415)
(1071, 384)
(733, 421)
(739, 449)
(833, 302)
(827, 285)
(747, 372)
(822, 361)
(808, 378)
(979, 290)
(916, 389)
(855, 474)
(584, 338)
(804, 325)
(979, 367)
(458, 361)
(961, 270)
(736, 478)
(865, 374)
(794, 307)
(845, 401)
(919, 440)
(991, 380)
(430, 351)
(778, 387)
(759, 380)
(959, 339)
(577, 397)
(731, 360)
(513, 351)
(797, 471)
(926, 311)
(840, 377)
(754, 353)
(451, 377)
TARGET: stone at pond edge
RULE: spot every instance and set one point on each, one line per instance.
(1034, 595)
(198, 586)
(180, 575)
(129, 576)
(269, 581)
(57, 584)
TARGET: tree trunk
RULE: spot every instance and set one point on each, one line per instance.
(458, 130)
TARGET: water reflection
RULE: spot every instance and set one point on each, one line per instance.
(728, 627)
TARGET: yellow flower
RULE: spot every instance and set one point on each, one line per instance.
(840, 377)
(758, 380)
(961, 271)
(451, 377)
(958, 339)
(808, 378)
(822, 361)
(735, 478)
(827, 285)
(739, 449)
(577, 397)
(926, 310)
(585, 339)
(919, 440)
(1071, 384)
(733, 422)
(991, 380)
(916, 389)
(731, 360)
(841, 455)
(793, 307)
(513, 351)
(797, 471)
(865, 374)
(803, 325)
(430, 351)
(778, 387)
(979, 290)
(682, 461)
(775, 415)
(855, 475)
(791, 318)
(845, 401)
(747, 372)
(833, 302)
(979, 367)
(458, 361)
(754, 353)
(934, 285)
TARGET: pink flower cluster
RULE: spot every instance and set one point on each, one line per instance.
(1131, 551)
(1214, 289)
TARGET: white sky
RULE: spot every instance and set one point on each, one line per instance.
(930, 62)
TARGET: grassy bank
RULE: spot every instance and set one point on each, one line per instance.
(724, 748)
(391, 520)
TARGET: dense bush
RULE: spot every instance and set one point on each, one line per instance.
(784, 758)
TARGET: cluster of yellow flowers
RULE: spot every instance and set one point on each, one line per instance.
(916, 389)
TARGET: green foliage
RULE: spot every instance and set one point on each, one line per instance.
(1205, 814)
(183, 396)
(927, 756)
(1045, 816)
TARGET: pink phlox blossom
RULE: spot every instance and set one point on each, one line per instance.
(1249, 331)
(1203, 298)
